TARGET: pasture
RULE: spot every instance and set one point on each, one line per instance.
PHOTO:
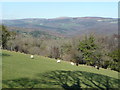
(20, 71)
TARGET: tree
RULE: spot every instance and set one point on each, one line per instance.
(115, 64)
(87, 47)
(97, 57)
(5, 36)
(10, 43)
(55, 53)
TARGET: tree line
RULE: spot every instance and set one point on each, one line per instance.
(92, 49)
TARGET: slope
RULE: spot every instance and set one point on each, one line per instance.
(19, 71)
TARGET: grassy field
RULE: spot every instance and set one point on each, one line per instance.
(19, 71)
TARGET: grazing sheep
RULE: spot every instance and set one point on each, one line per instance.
(76, 64)
(58, 61)
(97, 67)
(72, 63)
(31, 56)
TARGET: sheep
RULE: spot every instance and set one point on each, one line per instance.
(97, 67)
(72, 63)
(76, 64)
(58, 61)
(31, 56)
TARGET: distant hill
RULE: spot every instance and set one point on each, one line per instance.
(66, 26)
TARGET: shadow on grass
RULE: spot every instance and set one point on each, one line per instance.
(4, 54)
(64, 79)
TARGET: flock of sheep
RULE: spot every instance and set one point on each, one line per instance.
(58, 61)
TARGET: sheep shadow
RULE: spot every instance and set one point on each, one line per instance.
(67, 80)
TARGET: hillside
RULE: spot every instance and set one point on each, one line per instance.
(66, 26)
(19, 71)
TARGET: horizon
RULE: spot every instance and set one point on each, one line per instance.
(63, 17)
(48, 10)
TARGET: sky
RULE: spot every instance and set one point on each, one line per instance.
(20, 10)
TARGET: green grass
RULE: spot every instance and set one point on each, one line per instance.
(19, 71)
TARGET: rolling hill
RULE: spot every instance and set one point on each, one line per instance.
(19, 71)
(66, 26)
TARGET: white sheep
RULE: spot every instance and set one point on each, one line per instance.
(72, 63)
(58, 61)
(96, 66)
(31, 56)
